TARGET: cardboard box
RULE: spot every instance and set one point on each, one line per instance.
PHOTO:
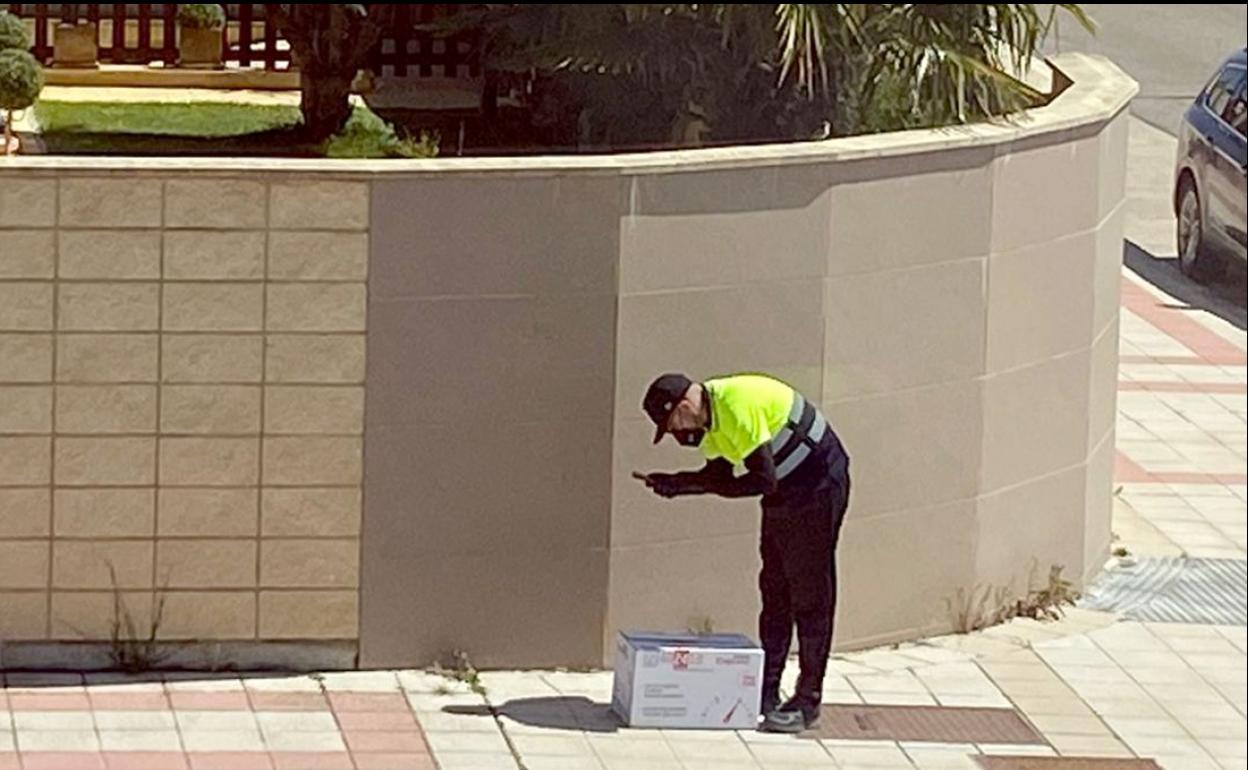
(685, 681)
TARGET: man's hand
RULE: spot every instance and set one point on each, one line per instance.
(664, 484)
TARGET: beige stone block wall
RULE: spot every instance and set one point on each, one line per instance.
(183, 365)
(181, 405)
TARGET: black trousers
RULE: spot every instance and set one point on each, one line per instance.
(798, 583)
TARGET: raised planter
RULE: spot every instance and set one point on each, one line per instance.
(950, 297)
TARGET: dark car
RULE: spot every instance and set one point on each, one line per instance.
(1209, 180)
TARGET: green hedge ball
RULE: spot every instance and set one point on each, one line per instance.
(21, 80)
(201, 16)
(13, 33)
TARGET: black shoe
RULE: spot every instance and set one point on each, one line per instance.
(789, 719)
(809, 708)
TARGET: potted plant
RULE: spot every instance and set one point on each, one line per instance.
(74, 43)
(13, 32)
(200, 42)
(21, 77)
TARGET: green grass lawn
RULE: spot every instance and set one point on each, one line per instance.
(201, 119)
(209, 128)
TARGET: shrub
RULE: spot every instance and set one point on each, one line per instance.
(21, 80)
(367, 135)
(13, 33)
(201, 16)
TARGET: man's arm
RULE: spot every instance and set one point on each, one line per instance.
(716, 478)
(687, 482)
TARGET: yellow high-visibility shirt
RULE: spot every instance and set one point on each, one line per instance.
(747, 411)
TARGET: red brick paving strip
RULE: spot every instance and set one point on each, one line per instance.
(288, 701)
(1147, 359)
(210, 701)
(1187, 331)
(376, 742)
(1129, 471)
(27, 701)
(395, 762)
(363, 721)
(380, 729)
(63, 760)
(368, 701)
(1064, 763)
(145, 760)
(1229, 388)
(231, 760)
(312, 760)
(128, 701)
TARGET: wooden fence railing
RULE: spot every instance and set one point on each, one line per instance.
(144, 33)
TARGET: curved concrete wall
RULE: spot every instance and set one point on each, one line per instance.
(949, 296)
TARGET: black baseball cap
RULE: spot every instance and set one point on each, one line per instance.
(662, 397)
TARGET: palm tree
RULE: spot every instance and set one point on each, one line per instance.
(330, 43)
(776, 71)
(941, 64)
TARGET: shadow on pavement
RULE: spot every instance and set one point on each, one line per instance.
(552, 713)
(1224, 298)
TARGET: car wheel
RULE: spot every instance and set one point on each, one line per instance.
(1194, 258)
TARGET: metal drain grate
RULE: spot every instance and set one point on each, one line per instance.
(1064, 763)
(1175, 590)
(924, 723)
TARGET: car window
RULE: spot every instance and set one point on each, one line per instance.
(1236, 112)
(1218, 97)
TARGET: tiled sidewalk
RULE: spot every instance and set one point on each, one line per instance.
(1181, 400)
(1172, 692)
(1181, 431)
(63, 722)
(1091, 686)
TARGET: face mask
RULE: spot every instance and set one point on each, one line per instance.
(690, 438)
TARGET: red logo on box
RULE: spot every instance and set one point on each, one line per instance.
(680, 660)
